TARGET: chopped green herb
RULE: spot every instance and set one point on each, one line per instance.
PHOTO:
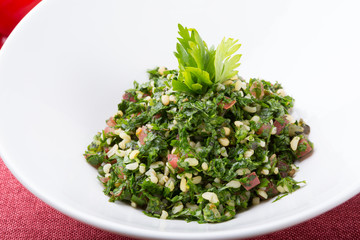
(200, 143)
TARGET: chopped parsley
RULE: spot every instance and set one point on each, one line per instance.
(200, 143)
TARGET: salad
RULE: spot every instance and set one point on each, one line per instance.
(200, 143)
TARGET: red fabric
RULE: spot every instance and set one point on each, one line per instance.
(12, 11)
(23, 216)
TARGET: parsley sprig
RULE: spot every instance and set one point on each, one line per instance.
(201, 66)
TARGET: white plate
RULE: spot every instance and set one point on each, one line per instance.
(64, 68)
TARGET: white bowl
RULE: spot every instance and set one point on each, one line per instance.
(65, 67)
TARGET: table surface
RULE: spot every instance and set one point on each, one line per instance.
(24, 216)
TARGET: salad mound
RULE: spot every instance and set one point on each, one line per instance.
(200, 143)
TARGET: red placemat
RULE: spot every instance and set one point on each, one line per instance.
(23, 216)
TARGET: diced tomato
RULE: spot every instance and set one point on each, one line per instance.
(141, 133)
(109, 130)
(227, 105)
(106, 149)
(263, 128)
(306, 151)
(284, 168)
(173, 158)
(279, 126)
(255, 87)
(118, 192)
(111, 122)
(87, 155)
(104, 179)
(121, 174)
(129, 97)
(253, 181)
(157, 116)
(271, 190)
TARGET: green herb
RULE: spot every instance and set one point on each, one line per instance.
(199, 143)
(200, 66)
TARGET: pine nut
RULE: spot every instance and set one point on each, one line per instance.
(170, 184)
(165, 100)
(280, 189)
(204, 166)
(233, 184)
(134, 154)
(192, 206)
(112, 150)
(124, 136)
(249, 109)
(255, 118)
(106, 168)
(263, 194)
(242, 171)
(211, 197)
(281, 92)
(183, 184)
(142, 168)
(228, 82)
(172, 98)
(294, 143)
(132, 166)
(237, 86)
(156, 165)
(255, 201)
(192, 161)
(164, 214)
(224, 142)
(238, 123)
(153, 178)
(196, 180)
(248, 153)
(177, 208)
(161, 70)
(227, 131)
(122, 144)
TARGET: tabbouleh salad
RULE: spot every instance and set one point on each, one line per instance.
(200, 143)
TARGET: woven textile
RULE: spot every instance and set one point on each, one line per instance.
(23, 216)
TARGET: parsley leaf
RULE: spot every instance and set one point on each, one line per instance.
(225, 63)
(200, 67)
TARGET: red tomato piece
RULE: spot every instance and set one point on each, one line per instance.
(253, 181)
(111, 122)
(173, 158)
(284, 169)
(121, 174)
(227, 105)
(279, 126)
(141, 133)
(129, 97)
(255, 87)
(157, 116)
(306, 151)
(271, 190)
(109, 130)
(104, 179)
(263, 128)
